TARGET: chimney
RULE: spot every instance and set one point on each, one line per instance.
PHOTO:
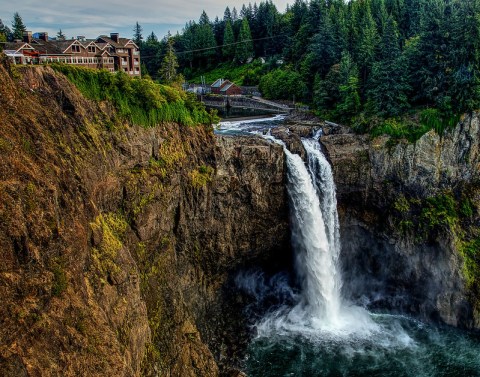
(43, 36)
(27, 36)
(114, 37)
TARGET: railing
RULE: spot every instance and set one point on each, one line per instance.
(124, 62)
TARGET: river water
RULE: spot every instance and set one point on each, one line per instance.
(312, 330)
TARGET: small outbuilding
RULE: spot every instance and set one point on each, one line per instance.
(225, 87)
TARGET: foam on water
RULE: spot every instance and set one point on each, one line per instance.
(315, 240)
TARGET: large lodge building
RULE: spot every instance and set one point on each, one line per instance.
(112, 53)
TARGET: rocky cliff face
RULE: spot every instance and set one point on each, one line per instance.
(118, 242)
(407, 213)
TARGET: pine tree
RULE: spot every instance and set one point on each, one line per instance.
(465, 56)
(227, 15)
(367, 40)
(435, 42)
(204, 40)
(349, 88)
(380, 14)
(388, 87)
(150, 52)
(4, 32)
(60, 35)
(168, 69)
(17, 26)
(188, 43)
(228, 42)
(137, 34)
(244, 48)
(204, 20)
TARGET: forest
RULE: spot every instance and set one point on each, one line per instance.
(351, 61)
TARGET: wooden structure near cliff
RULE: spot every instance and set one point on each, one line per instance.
(244, 102)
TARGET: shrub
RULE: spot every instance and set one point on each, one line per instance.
(140, 101)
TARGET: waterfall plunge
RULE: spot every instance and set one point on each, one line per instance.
(315, 240)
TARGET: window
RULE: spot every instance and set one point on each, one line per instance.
(91, 48)
(75, 48)
(90, 60)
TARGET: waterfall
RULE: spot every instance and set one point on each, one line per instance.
(316, 256)
(316, 243)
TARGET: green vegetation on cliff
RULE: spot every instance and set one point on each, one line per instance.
(141, 101)
(456, 213)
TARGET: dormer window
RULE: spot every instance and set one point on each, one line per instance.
(75, 48)
(91, 48)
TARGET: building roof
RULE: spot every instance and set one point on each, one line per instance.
(17, 46)
(51, 47)
(224, 88)
(218, 83)
(122, 42)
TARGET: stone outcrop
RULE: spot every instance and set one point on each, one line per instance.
(391, 259)
(118, 242)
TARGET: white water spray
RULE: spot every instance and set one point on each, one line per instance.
(316, 242)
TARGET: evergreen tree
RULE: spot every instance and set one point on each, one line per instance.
(204, 40)
(349, 95)
(151, 52)
(60, 35)
(168, 69)
(137, 34)
(380, 14)
(367, 40)
(465, 57)
(435, 42)
(227, 15)
(388, 85)
(5, 33)
(17, 26)
(218, 30)
(204, 20)
(244, 48)
(228, 49)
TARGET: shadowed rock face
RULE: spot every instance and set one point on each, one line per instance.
(412, 270)
(118, 245)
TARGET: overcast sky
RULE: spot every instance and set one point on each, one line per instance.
(95, 17)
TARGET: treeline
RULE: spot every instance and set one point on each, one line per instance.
(373, 57)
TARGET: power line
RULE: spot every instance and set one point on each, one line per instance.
(218, 46)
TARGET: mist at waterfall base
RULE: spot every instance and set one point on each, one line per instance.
(304, 327)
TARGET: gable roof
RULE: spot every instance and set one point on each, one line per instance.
(17, 46)
(51, 47)
(218, 83)
(227, 86)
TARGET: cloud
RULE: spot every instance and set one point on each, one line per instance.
(93, 17)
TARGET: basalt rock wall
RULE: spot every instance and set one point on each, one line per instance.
(117, 242)
(407, 212)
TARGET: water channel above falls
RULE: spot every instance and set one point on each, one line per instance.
(311, 330)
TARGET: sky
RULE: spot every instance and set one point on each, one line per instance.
(92, 18)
